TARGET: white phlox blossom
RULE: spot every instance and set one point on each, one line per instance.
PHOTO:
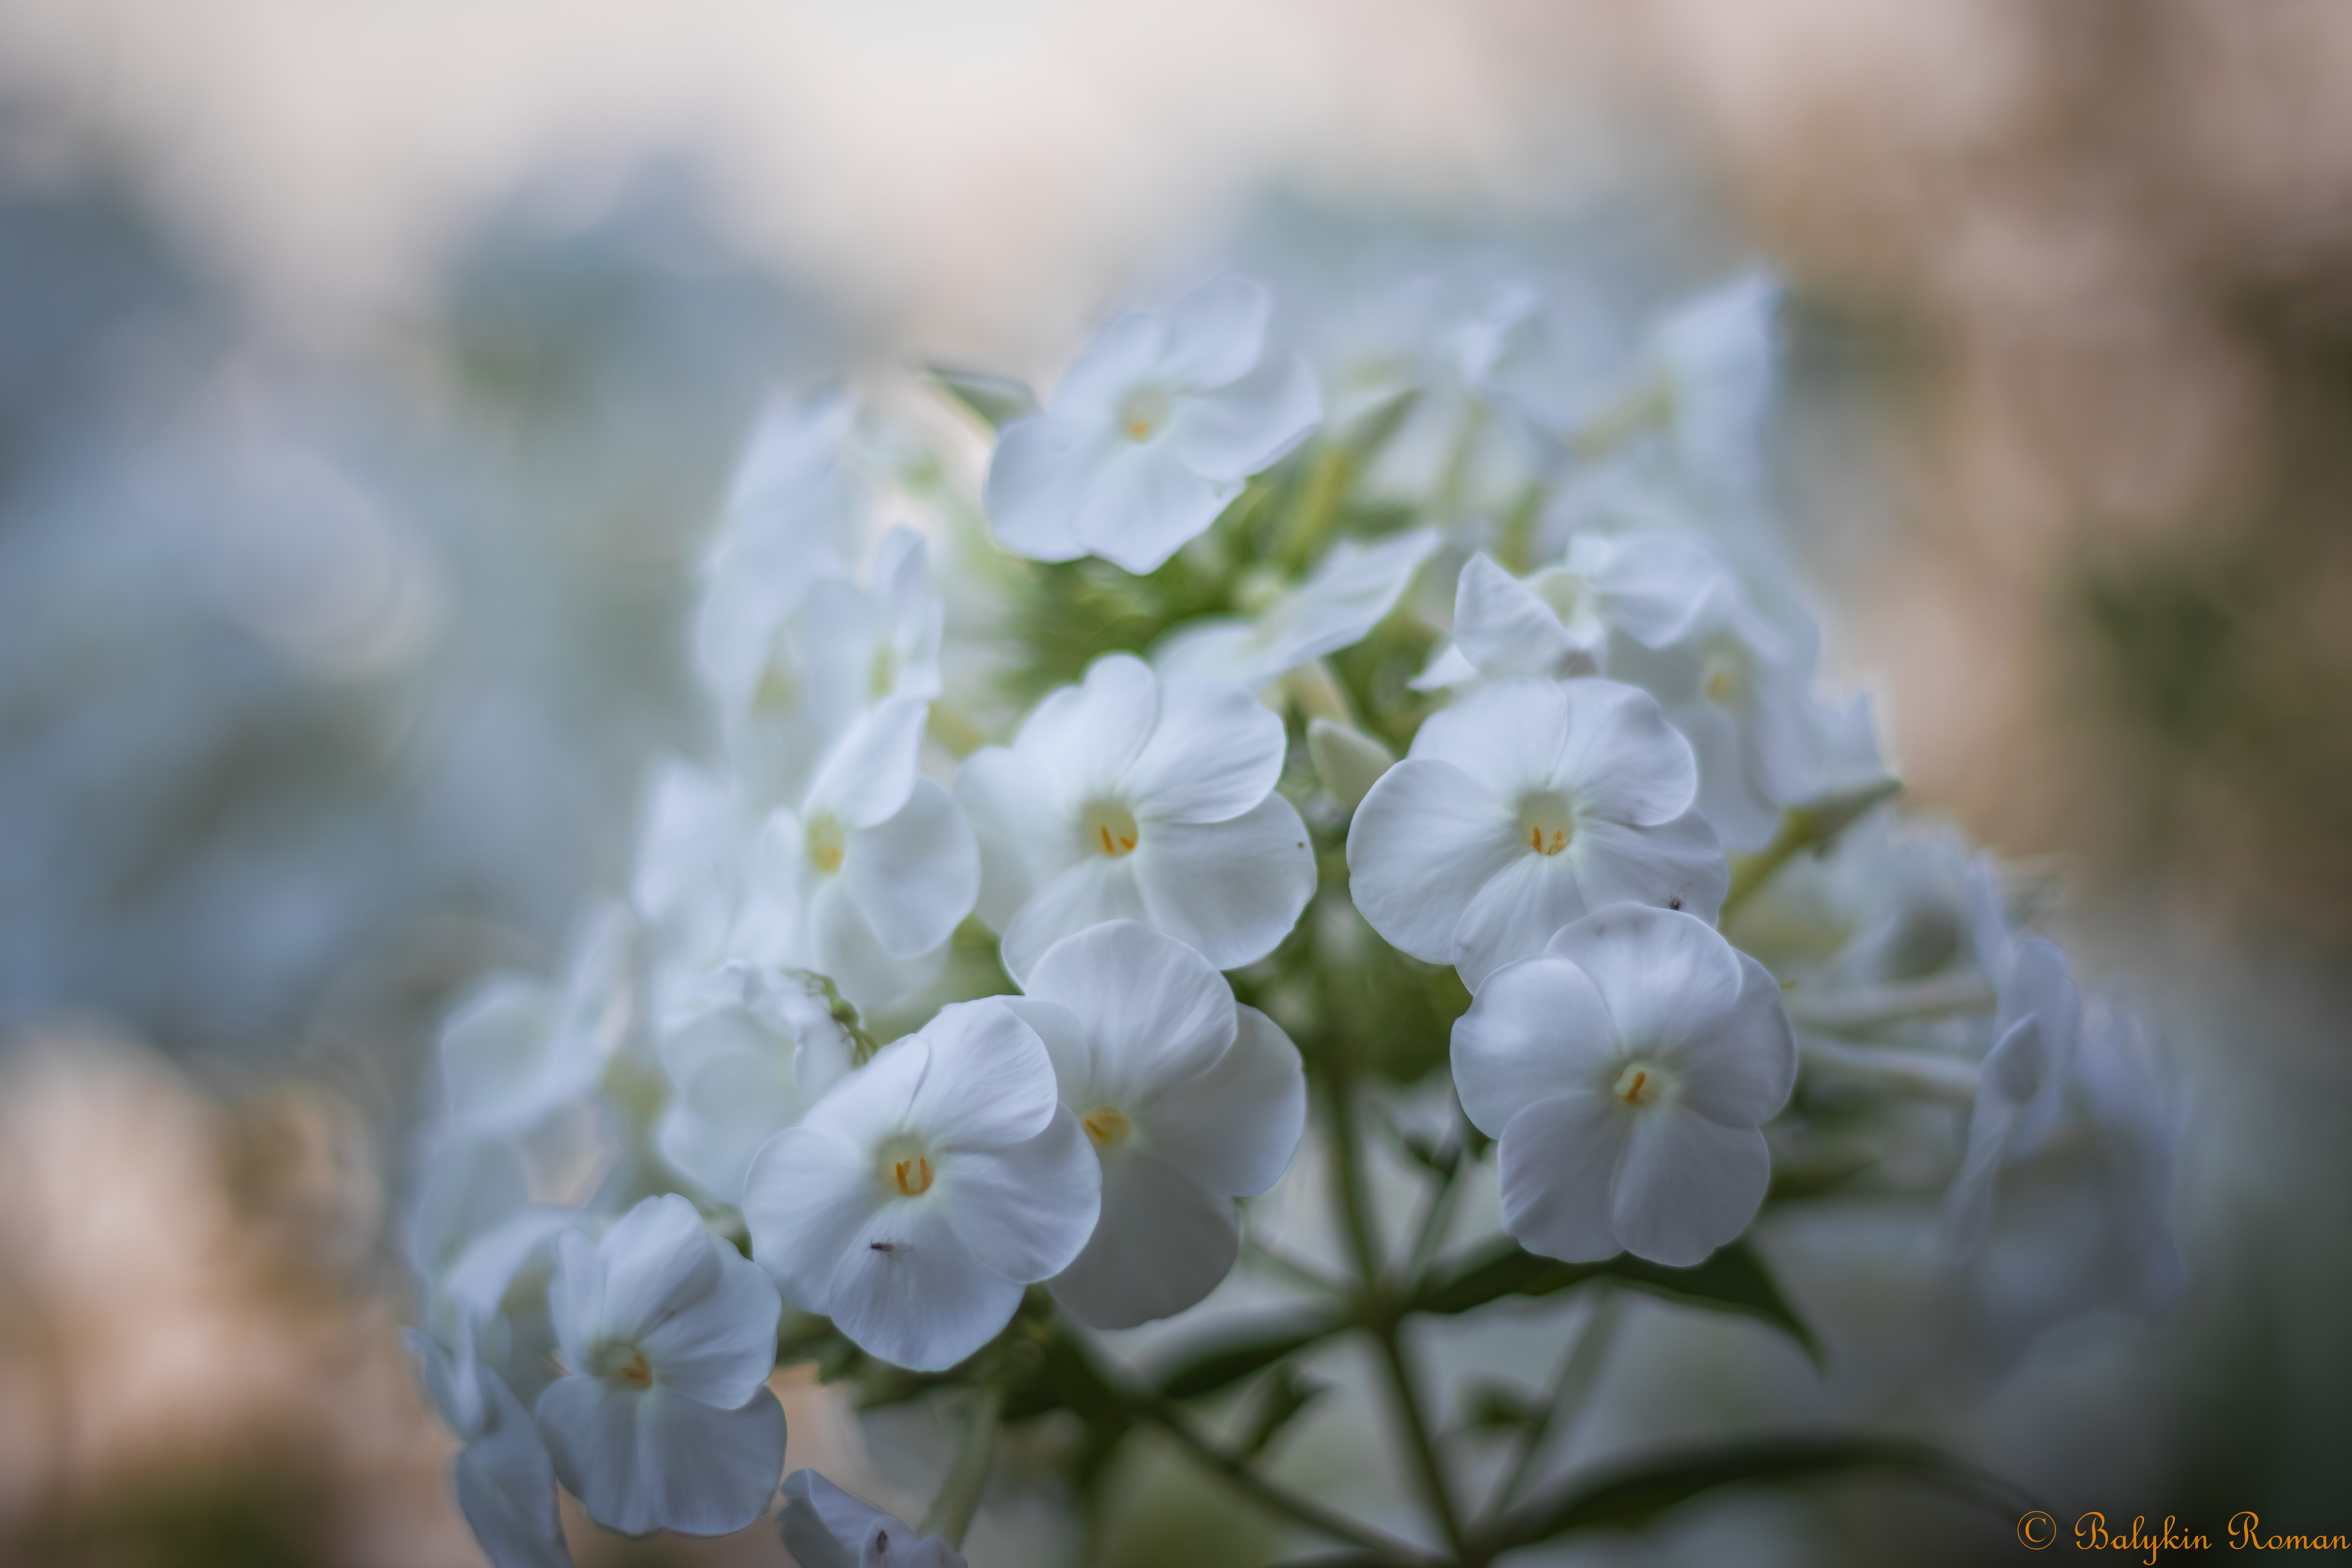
(1130, 797)
(505, 1481)
(2022, 1083)
(865, 877)
(1523, 807)
(1626, 1071)
(1349, 593)
(759, 1050)
(664, 1419)
(1189, 1100)
(1151, 431)
(1550, 362)
(1651, 587)
(917, 1198)
(519, 1048)
(694, 839)
(825, 1527)
(1719, 357)
(1884, 906)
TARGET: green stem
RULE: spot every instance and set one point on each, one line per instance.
(1436, 1218)
(1380, 1316)
(951, 1512)
(1577, 1376)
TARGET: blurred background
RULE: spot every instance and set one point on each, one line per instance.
(370, 371)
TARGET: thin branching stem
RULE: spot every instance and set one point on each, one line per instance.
(1577, 1374)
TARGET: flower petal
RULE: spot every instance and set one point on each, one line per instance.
(1502, 627)
(907, 1290)
(1126, 349)
(1622, 760)
(1216, 752)
(1145, 504)
(1215, 334)
(1739, 1068)
(869, 772)
(806, 1197)
(1556, 1159)
(1658, 586)
(1742, 816)
(1162, 1245)
(1516, 913)
(1686, 1186)
(1233, 1129)
(1037, 480)
(720, 1348)
(1663, 975)
(1427, 836)
(1537, 1030)
(657, 1261)
(1153, 1011)
(1507, 734)
(848, 952)
(1082, 739)
(914, 876)
(989, 1084)
(494, 1050)
(1024, 1211)
(1250, 424)
(1230, 890)
(1091, 889)
(1678, 861)
(1024, 834)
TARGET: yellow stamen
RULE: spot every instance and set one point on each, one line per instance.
(1139, 430)
(1633, 1094)
(912, 1176)
(1108, 1128)
(638, 1369)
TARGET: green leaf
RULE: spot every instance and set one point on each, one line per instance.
(1285, 1395)
(1224, 1364)
(1735, 1279)
(1634, 1497)
(995, 401)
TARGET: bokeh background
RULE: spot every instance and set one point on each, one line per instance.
(370, 371)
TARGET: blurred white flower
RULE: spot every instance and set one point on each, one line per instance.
(694, 837)
(506, 1484)
(1349, 593)
(1652, 587)
(1550, 362)
(664, 1420)
(825, 1527)
(865, 877)
(917, 1198)
(1151, 432)
(1718, 356)
(1129, 797)
(519, 1048)
(1626, 1072)
(759, 1051)
(1525, 805)
(2022, 1085)
(1190, 1102)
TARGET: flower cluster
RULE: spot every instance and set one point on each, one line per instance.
(963, 994)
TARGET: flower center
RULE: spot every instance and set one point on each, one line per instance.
(826, 840)
(1725, 676)
(623, 1364)
(1642, 1083)
(906, 1168)
(1547, 822)
(1108, 828)
(1107, 1127)
(1145, 413)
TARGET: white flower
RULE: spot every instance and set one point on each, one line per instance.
(758, 1052)
(865, 876)
(1189, 1100)
(1151, 432)
(1522, 808)
(1740, 691)
(1626, 1072)
(1719, 357)
(1550, 363)
(1652, 587)
(918, 1198)
(1129, 797)
(694, 836)
(1349, 593)
(518, 1047)
(665, 1420)
(825, 1527)
(2022, 1085)
(505, 1485)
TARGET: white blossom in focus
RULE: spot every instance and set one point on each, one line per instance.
(1626, 1071)
(1651, 587)
(865, 876)
(916, 1199)
(1130, 797)
(664, 1420)
(518, 1048)
(1189, 1100)
(825, 1527)
(759, 1050)
(1522, 808)
(506, 1484)
(1151, 432)
(1349, 593)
